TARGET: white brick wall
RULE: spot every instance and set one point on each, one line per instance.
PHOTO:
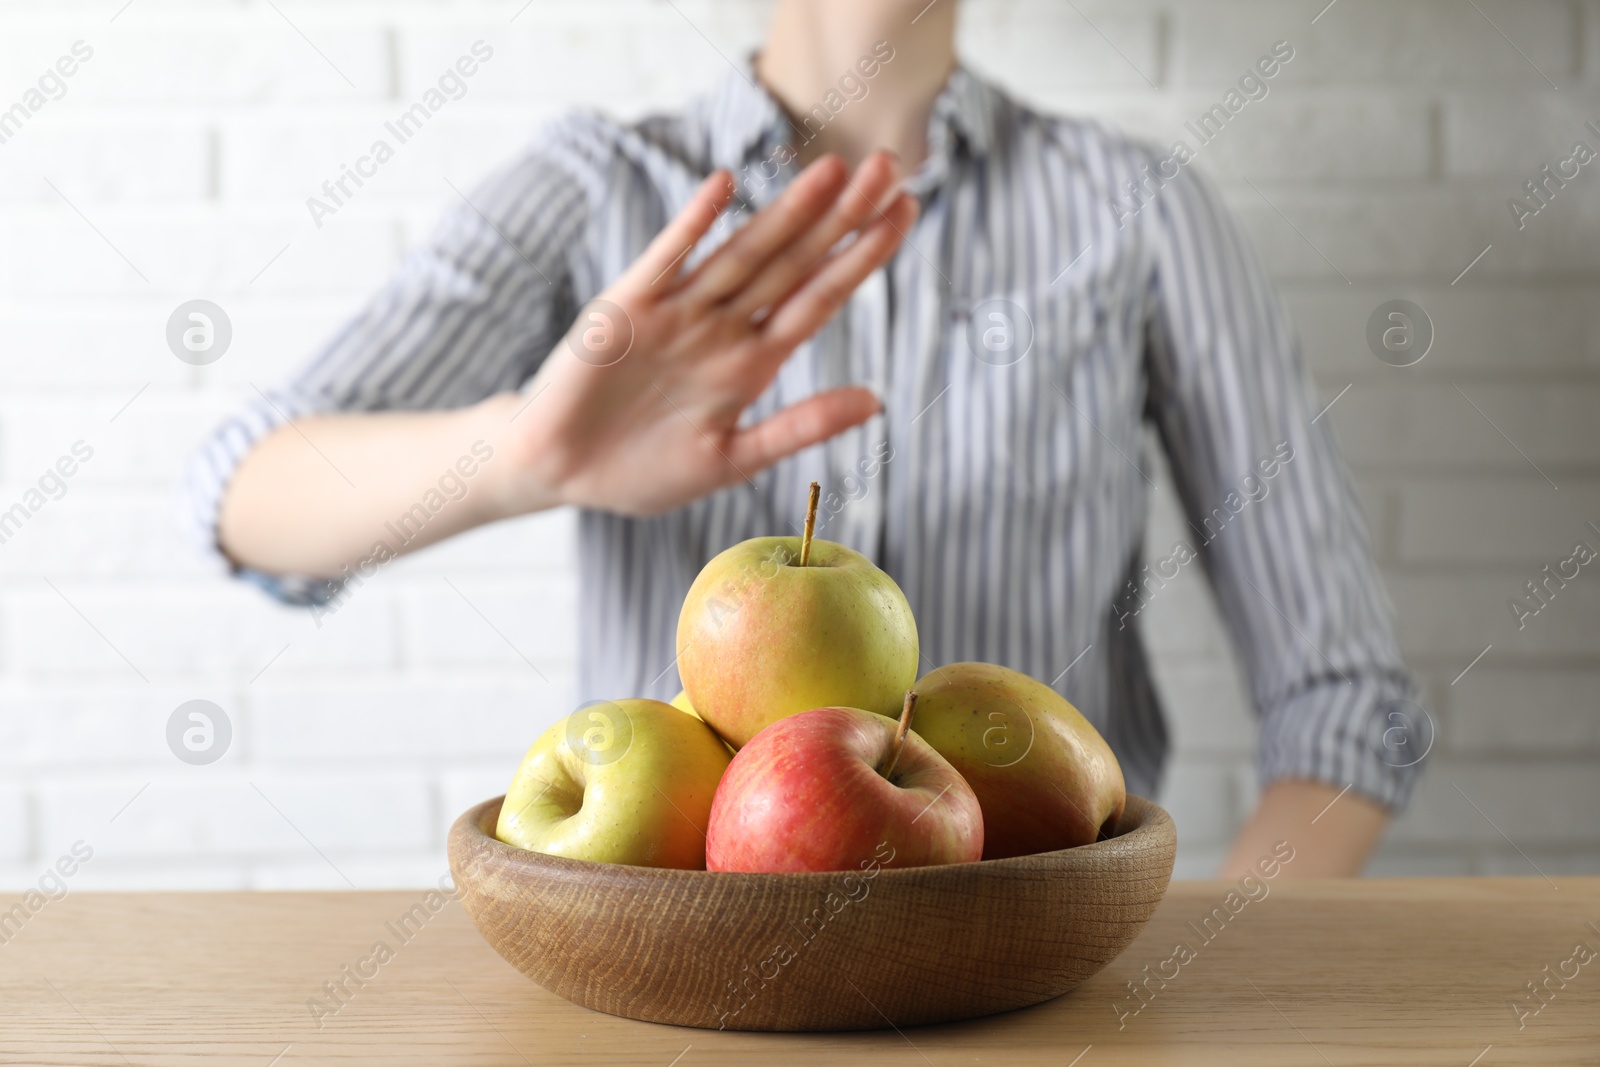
(192, 137)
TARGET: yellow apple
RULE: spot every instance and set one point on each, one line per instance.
(624, 781)
(681, 702)
(763, 636)
(1044, 776)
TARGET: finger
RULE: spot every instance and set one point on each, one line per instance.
(656, 266)
(799, 426)
(769, 232)
(871, 189)
(821, 296)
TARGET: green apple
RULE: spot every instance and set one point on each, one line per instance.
(624, 781)
(763, 635)
(1044, 776)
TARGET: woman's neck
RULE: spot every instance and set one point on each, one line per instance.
(858, 76)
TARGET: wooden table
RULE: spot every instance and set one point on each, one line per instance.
(1329, 973)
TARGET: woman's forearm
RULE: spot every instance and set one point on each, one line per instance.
(324, 493)
(1332, 834)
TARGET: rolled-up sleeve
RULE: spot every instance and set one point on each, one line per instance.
(1273, 512)
(471, 313)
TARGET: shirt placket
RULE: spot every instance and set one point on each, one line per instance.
(855, 469)
(915, 374)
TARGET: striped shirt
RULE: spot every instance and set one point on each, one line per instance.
(1058, 294)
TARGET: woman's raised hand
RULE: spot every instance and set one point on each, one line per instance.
(637, 411)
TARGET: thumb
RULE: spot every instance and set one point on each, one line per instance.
(801, 425)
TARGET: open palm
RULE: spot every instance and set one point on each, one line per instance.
(637, 410)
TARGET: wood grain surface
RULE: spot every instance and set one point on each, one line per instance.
(843, 950)
(1343, 973)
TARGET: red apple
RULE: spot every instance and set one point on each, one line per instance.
(833, 789)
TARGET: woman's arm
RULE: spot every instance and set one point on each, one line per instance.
(635, 410)
(1274, 517)
(320, 493)
(1333, 831)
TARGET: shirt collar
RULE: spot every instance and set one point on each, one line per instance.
(741, 118)
(969, 107)
(744, 122)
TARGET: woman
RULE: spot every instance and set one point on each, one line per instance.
(855, 262)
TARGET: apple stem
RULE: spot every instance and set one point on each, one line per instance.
(900, 731)
(811, 523)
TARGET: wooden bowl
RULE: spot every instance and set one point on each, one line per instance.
(831, 951)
